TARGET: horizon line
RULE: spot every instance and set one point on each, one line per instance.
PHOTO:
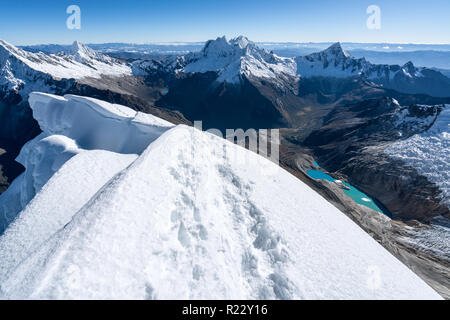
(258, 42)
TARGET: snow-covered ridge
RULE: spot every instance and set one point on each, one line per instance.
(336, 62)
(71, 125)
(19, 67)
(182, 219)
(237, 57)
(428, 152)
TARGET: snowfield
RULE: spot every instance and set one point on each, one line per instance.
(181, 218)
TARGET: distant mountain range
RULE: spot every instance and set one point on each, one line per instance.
(430, 56)
(335, 62)
(237, 57)
(230, 78)
(80, 61)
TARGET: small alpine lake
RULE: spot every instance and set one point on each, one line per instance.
(358, 196)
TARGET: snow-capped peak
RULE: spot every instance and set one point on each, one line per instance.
(241, 41)
(410, 69)
(337, 51)
(331, 62)
(79, 48)
(238, 57)
(239, 46)
(83, 54)
(408, 65)
(220, 46)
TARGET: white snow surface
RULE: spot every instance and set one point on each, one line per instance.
(41, 157)
(191, 217)
(429, 153)
(70, 125)
(47, 213)
(236, 57)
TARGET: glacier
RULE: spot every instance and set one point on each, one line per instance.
(428, 153)
(137, 208)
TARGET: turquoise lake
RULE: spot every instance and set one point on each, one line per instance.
(357, 196)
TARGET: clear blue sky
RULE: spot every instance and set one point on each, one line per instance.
(402, 21)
